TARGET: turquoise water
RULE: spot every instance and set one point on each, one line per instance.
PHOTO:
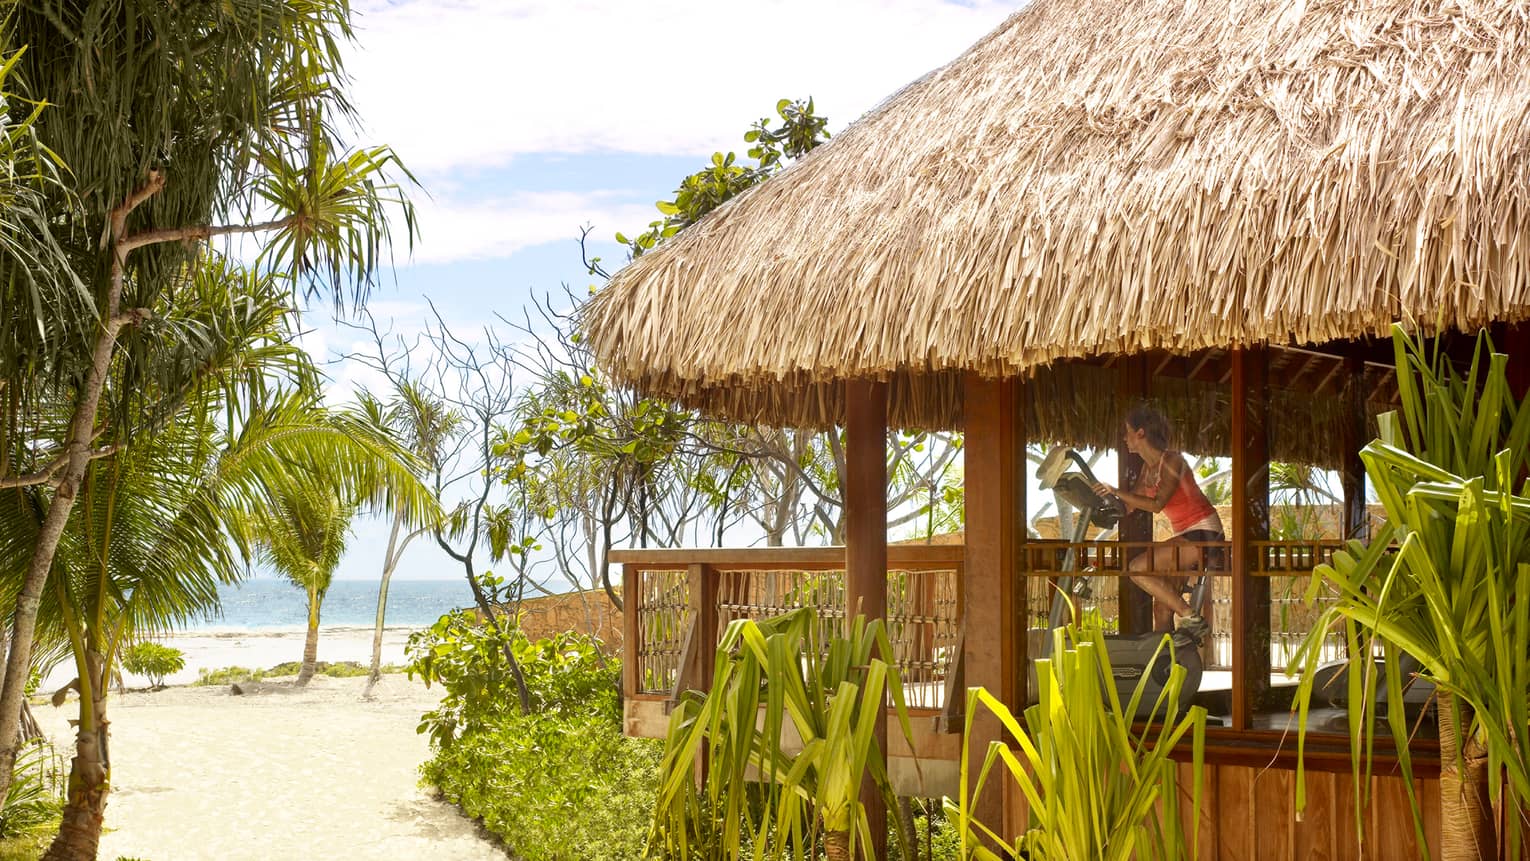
(268, 604)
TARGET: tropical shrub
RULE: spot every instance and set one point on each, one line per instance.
(154, 661)
(1096, 786)
(1444, 583)
(553, 787)
(35, 795)
(765, 796)
(558, 782)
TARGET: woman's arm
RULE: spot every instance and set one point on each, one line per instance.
(1173, 467)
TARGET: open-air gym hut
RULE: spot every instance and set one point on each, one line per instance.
(1221, 205)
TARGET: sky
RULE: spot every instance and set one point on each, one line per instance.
(525, 120)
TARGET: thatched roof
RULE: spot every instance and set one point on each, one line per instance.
(1107, 176)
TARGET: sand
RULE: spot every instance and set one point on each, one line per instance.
(279, 773)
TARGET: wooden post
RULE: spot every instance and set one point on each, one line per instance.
(1515, 341)
(1135, 605)
(631, 645)
(866, 543)
(1356, 522)
(701, 640)
(1250, 522)
(993, 618)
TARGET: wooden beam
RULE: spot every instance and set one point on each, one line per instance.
(1352, 470)
(1135, 605)
(1200, 364)
(993, 624)
(866, 545)
(1250, 522)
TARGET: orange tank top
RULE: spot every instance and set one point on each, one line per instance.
(1188, 505)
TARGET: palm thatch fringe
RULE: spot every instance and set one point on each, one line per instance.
(1108, 177)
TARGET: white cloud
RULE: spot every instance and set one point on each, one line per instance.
(456, 228)
(472, 83)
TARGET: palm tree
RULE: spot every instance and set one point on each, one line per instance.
(423, 426)
(176, 121)
(303, 535)
(301, 530)
(160, 524)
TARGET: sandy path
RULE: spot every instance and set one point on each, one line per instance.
(275, 774)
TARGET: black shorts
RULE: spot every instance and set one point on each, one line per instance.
(1215, 557)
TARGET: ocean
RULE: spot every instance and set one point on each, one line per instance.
(266, 604)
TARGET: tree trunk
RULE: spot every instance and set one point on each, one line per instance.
(390, 561)
(1467, 829)
(908, 831)
(79, 832)
(311, 645)
(82, 425)
(836, 846)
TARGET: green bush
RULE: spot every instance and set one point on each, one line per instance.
(35, 797)
(153, 660)
(226, 675)
(558, 782)
(337, 670)
(554, 787)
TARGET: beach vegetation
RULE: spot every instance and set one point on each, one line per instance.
(159, 525)
(210, 677)
(1438, 596)
(35, 797)
(580, 788)
(302, 535)
(422, 424)
(175, 125)
(154, 661)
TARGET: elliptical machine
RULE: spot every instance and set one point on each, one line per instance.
(1131, 657)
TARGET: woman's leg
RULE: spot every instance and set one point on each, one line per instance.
(1167, 600)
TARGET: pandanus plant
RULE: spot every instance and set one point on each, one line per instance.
(1096, 783)
(1446, 581)
(787, 733)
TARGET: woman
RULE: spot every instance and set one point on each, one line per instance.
(1167, 483)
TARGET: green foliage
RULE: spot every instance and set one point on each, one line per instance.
(553, 786)
(1096, 786)
(794, 668)
(35, 796)
(557, 783)
(335, 670)
(725, 178)
(154, 660)
(1444, 581)
(566, 675)
(935, 836)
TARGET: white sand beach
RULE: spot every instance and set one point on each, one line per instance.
(278, 773)
(259, 649)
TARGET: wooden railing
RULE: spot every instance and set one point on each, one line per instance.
(676, 603)
(1288, 565)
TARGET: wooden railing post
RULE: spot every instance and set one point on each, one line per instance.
(696, 655)
(632, 646)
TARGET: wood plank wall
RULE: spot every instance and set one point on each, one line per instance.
(1248, 815)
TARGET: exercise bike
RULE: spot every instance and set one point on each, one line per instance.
(1131, 657)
